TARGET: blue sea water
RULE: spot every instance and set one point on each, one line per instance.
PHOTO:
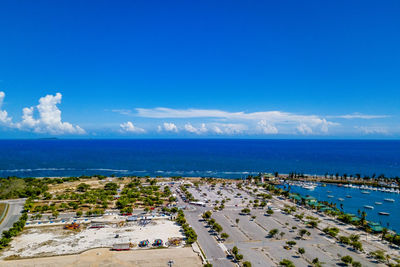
(213, 158)
(210, 157)
(357, 202)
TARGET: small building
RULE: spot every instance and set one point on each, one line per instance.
(121, 246)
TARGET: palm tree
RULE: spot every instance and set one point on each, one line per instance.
(282, 234)
(363, 218)
(384, 232)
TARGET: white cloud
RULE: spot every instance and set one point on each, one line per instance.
(266, 128)
(275, 119)
(359, 116)
(168, 127)
(304, 129)
(229, 128)
(372, 129)
(129, 127)
(191, 129)
(3, 114)
(217, 130)
(49, 120)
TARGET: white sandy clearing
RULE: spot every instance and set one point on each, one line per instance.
(47, 241)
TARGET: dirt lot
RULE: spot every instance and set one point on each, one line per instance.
(50, 241)
(104, 257)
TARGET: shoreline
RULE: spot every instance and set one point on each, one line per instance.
(375, 182)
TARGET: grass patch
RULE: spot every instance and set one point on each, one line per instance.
(3, 211)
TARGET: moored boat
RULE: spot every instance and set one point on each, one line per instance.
(348, 196)
(389, 199)
(330, 196)
(378, 203)
(384, 213)
(365, 192)
(368, 207)
(341, 199)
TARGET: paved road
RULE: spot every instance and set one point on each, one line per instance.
(14, 212)
(214, 254)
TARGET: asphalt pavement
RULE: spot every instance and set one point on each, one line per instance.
(14, 212)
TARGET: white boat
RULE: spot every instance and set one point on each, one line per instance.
(341, 199)
(389, 199)
(378, 203)
(384, 213)
(309, 187)
(365, 192)
(368, 207)
(348, 196)
(330, 196)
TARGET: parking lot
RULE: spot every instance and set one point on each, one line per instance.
(251, 234)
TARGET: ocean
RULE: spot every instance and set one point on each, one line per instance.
(215, 158)
(228, 158)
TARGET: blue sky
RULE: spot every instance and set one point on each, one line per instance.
(259, 69)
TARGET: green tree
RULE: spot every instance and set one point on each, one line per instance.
(313, 224)
(357, 245)
(111, 187)
(287, 263)
(384, 232)
(82, 187)
(235, 250)
(316, 262)
(273, 232)
(238, 257)
(270, 212)
(301, 251)
(303, 232)
(291, 243)
(55, 213)
(224, 236)
(344, 240)
(282, 234)
(347, 259)
(354, 238)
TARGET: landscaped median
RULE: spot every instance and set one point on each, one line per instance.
(3, 211)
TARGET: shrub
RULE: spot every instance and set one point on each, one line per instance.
(344, 240)
(286, 263)
(273, 232)
(347, 259)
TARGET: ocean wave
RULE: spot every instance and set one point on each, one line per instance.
(62, 172)
(64, 169)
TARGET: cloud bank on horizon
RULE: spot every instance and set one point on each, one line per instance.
(48, 120)
(45, 118)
